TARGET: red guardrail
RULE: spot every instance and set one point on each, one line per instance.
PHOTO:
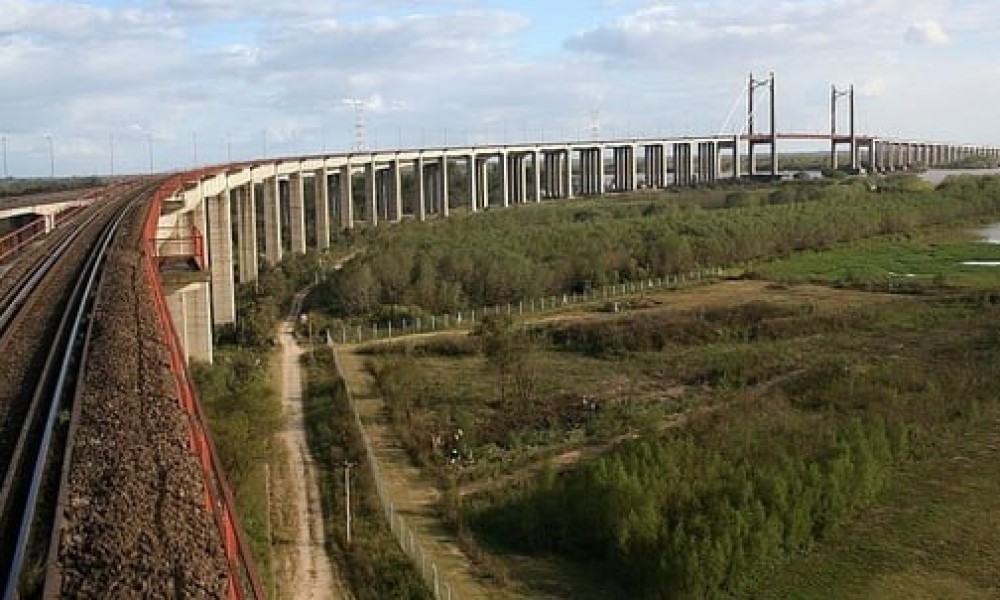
(21, 237)
(16, 240)
(218, 495)
(187, 247)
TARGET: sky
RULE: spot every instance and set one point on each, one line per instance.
(175, 83)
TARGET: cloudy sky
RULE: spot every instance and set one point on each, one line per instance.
(229, 77)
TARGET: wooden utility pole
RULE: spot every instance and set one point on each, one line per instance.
(347, 498)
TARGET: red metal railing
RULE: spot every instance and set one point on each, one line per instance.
(16, 240)
(21, 237)
(243, 580)
(187, 247)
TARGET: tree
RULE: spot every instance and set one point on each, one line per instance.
(503, 346)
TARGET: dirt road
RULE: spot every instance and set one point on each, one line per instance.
(314, 576)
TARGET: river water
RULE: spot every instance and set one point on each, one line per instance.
(936, 176)
(990, 233)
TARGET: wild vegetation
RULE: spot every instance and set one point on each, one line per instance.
(374, 564)
(556, 248)
(23, 187)
(699, 443)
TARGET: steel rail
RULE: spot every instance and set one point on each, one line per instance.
(19, 496)
(11, 304)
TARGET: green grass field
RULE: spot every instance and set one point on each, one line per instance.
(922, 262)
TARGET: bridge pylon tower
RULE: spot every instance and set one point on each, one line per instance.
(852, 137)
(754, 139)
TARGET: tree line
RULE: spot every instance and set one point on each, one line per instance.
(479, 260)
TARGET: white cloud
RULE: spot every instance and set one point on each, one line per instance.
(82, 69)
(927, 33)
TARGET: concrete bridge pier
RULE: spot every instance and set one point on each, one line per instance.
(443, 207)
(321, 188)
(654, 166)
(592, 171)
(270, 196)
(394, 200)
(420, 208)
(536, 168)
(190, 310)
(683, 164)
(472, 172)
(433, 183)
(707, 162)
(246, 232)
(625, 168)
(503, 175)
(371, 193)
(297, 213)
(220, 244)
(567, 156)
(345, 197)
(483, 181)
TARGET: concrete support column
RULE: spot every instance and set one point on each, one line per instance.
(689, 159)
(445, 200)
(190, 310)
(737, 159)
(593, 176)
(247, 233)
(297, 213)
(432, 184)
(504, 174)
(418, 176)
(473, 180)
(522, 173)
(716, 161)
(568, 173)
(649, 167)
(675, 160)
(510, 168)
(704, 162)
(220, 240)
(396, 202)
(321, 186)
(272, 221)
(598, 170)
(371, 192)
(633, 167)
(345, 198)
(536, 168)
(484, 182)
(553, 178)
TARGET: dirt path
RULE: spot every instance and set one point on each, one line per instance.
(313, 575)
(413, 495)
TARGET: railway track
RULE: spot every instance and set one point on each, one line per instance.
(100, 496)
(34, 457)
(36, 430)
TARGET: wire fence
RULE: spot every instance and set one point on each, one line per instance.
(441, 587)
(437, 582)
(388, 329)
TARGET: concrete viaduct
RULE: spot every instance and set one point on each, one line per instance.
(198, 219)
